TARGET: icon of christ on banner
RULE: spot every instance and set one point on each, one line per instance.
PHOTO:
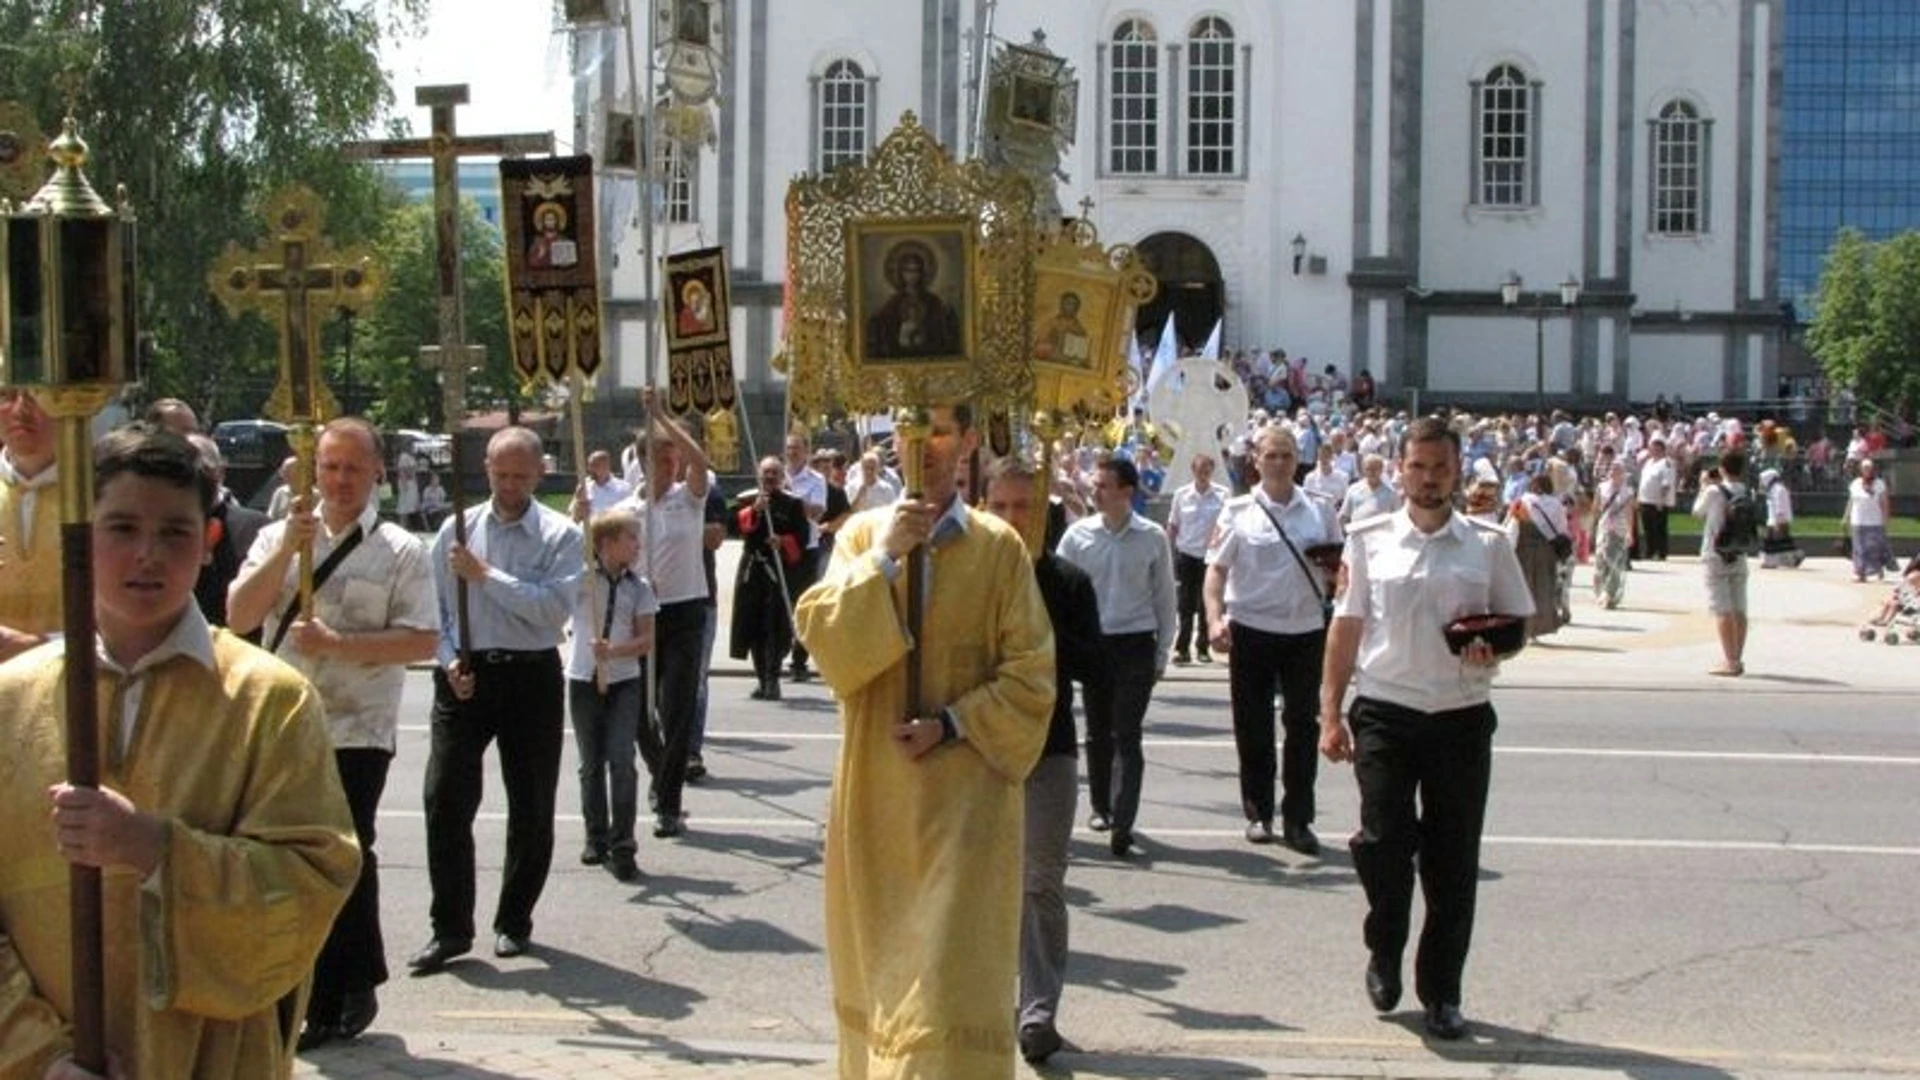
(547, 209)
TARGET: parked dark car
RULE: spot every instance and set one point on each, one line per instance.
(253, 450)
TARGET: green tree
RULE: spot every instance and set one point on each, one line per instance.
(387, 342)
(202, 108)
(1866, 323)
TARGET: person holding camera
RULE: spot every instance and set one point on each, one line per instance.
(1267, 608)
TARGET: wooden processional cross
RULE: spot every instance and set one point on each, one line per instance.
(452, 357)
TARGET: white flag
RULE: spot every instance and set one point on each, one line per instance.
(1212, 351)
(1165, 356)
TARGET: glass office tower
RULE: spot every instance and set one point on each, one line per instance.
(1850, 139)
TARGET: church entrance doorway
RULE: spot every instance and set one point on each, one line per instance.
(1190, 288)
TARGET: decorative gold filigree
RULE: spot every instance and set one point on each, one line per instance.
(909, 178)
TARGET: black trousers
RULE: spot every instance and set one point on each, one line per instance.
(521, 703)
(801, 578)
(1189, 579)
(679, 632)
(1653, 531)
(354, 957)
(1445, 761)
(1116, 706)
(1260, 664)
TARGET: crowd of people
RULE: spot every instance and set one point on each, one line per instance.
(1341, 540)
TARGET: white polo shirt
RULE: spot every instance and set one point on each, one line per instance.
(1407, 586)
(1266, 587)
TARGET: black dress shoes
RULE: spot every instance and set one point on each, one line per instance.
(435, 954)
(357, 1010)
(1300, 838)
(623, 866)
(1445, 1022)
(315, 1034)
(1038, 1042)
(1121, 843)
(1383, 983)
(508, 946)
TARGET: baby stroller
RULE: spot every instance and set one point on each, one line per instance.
(1899, 615)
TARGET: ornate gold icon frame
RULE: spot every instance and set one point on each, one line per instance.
(1109, 284)
(909, 187)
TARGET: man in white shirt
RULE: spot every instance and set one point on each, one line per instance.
(1371, 495)
(1655, 496)
(1131, 565)
(1190, 520)
(868, 486)
(374, 613)
(811, 489)
(599, 490)
(1326, 480)
(1267, 606)
(1421, 738)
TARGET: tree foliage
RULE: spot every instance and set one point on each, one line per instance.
(386, 343)
(202, 108)
(1866, 322)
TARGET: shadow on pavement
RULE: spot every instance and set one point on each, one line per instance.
(765, 787)
(1146, 1065)
(1170, 918)
(740, 936)
(1145, 981)
(1494, 1044)
(369, 1052)
(584, 985)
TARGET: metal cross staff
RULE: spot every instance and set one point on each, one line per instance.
(298, 280)
(453, 357)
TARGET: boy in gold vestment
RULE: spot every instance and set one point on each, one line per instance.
(220, 829)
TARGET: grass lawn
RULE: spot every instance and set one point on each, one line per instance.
(1811, 525)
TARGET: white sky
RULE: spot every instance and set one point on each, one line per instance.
(505, 50)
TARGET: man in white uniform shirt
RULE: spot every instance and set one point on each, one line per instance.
(1190, 520)
(1267, 606)
(1421, 740)
(374, 612)
(1326, 480)
(1131, 565)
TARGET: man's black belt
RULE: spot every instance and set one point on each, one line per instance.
(496, 657)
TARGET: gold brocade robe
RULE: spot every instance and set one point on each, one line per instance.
(206, 964)
(30, 561)
(923, 858)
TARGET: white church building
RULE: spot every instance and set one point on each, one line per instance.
(1350, 180)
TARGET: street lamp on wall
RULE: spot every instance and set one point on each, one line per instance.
(1512, 288)
(1299, 246)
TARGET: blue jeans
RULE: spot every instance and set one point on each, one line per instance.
(604, 726)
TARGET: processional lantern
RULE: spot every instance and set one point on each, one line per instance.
(68, 336)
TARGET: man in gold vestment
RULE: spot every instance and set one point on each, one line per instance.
(926, 824)
(220, 828)
(29, 524)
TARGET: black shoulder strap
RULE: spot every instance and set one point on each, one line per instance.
(1312, 582)
(320, 575)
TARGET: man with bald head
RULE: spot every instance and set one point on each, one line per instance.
(521, 567)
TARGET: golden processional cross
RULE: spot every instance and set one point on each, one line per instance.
(297, 279)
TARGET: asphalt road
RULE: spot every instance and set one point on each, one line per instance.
(1672, 879)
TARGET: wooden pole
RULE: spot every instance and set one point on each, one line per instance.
(87, 909)
(910, 429)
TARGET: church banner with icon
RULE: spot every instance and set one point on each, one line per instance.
(552, 266)
(699, 335)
